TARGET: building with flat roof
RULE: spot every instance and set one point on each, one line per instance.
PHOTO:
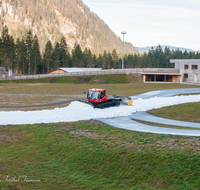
(189, 69)
(161, 75)
(185, 70)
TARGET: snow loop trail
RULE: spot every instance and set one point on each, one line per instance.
(77, 111)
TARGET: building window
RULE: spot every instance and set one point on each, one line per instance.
(186, 75)
(195, 67)
(185, 66)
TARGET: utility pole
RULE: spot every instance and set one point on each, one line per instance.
(123, 50)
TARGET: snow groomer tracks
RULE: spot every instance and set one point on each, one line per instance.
(129, 124)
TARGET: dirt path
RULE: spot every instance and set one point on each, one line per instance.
(43, 101)
(42, 105)
(51, 95)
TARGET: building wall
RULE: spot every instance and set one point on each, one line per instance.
(189, 68)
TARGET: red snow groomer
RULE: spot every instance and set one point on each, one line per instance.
(98, 98)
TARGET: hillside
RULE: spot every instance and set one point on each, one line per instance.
(50, 20)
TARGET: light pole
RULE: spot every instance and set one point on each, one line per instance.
(123, 50)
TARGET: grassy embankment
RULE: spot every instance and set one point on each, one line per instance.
(115, 78)
(91, 155)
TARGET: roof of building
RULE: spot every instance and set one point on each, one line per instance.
(76, 69)
(184, 60)
(70, 70)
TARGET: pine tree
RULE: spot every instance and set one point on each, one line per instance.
(12, 52)
(136, 61)
(74, 59)
(89, 59)
(114, 58)
(109, 61)
(197, 55)
(85, 57)
(104, 59)
(144, 60)
(100, 61)
(36, 54)
(64, 52)
(23, 53)
(158, 56)
(150, 58)
(56, 56)
(48, 55)
(77, 56)
(18, 55)
(129, 61)
(94, 61)
(167, 54)
(191, 55)
(29, 44)
(5, 47)
(185, 55)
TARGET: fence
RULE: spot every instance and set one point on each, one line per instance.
(85, 73)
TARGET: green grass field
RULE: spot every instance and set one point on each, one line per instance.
(184, 112)
(90, 155)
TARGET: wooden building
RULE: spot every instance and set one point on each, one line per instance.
(73, 70)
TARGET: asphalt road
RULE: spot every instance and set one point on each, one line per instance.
(129, 124)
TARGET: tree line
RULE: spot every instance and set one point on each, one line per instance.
(24, 56)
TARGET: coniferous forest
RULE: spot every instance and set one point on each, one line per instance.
(24, 56)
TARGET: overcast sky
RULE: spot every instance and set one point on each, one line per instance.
(149, 23)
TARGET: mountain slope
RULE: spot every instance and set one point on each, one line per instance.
(50, 20)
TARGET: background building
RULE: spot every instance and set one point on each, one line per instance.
(189, 69)
(73, 70)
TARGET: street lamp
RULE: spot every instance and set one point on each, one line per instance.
(123, 50)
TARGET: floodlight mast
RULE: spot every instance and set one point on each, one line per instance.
(123, 50)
